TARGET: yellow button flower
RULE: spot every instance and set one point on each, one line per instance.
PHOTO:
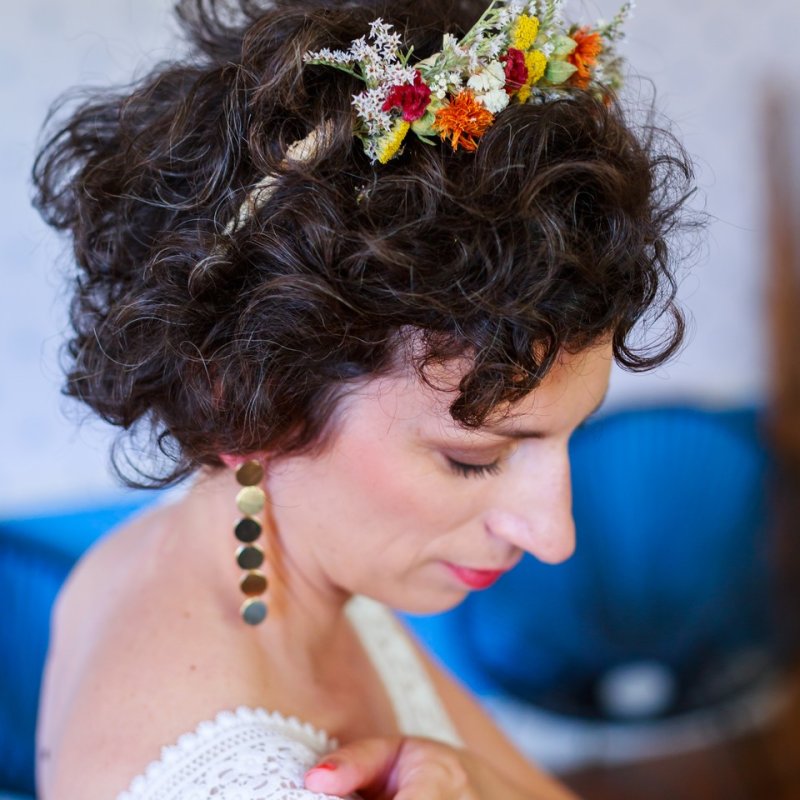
(390, 143)
(536, 62)
(525, 32)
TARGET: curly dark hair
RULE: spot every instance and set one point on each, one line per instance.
(552, 235)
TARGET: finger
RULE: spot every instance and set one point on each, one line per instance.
(358, 765)
(424, 777)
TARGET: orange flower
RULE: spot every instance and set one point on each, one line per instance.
(584, 55)
(464, 120)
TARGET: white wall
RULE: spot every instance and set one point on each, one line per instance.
(45, 47)
(712, 61)
(707, 57)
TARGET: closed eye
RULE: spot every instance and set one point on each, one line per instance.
(473, 470)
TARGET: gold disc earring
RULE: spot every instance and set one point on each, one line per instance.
(250, 501)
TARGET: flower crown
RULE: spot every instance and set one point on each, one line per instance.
(518, 51)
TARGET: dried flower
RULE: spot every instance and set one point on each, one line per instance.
(386, 147)
(584, 56)
(515, 69)
(463, 121)
(536, 62)
(455, 93)
(411, 98)
(495, 100)
(525, 31)
(369, 107)
(491, 77)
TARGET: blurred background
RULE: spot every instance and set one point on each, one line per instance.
(659, 662)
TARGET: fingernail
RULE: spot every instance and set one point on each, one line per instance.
(315, 776)
(327, 765)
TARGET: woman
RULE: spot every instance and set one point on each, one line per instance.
(367, 319)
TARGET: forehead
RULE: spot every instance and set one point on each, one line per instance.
(569, 392)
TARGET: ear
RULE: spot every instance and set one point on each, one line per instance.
(235, 461)
(231, 461)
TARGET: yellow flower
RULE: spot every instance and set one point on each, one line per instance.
(536, 62)
(525, 32)
(389, 144)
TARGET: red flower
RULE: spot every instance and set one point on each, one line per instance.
(516, 69)
(413, 98)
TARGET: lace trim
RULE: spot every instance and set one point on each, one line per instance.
(209, 731)
(416, 702)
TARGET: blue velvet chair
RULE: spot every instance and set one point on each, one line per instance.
(673, 528)
(36, 553)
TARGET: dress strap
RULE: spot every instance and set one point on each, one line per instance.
(417, 706)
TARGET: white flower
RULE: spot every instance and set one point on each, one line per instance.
(402, 74)
(450, 44)
(378, 29)
(374, 72)
(451, 51)
(371, 149)
(490, 78)
(361, 51)
(495, 100)
(454, 81)
(496, 44)
(322, 55)
(369, 106)
(331, 56)
(498, 72)
(390, 45)
(386, 42)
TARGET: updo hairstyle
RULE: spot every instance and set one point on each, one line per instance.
(550, 236)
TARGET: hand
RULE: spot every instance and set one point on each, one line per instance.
(414, 768)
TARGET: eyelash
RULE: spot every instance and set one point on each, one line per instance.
(474, 470)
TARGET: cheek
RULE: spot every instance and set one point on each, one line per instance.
(400, 489)
(384, 481)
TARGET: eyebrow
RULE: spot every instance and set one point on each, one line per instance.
(529, 434)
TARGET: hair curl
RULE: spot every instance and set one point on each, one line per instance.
(552, 235)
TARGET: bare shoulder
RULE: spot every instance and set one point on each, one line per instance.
(481, 735)
(137, 658)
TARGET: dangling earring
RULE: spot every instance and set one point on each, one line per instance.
(249, 556)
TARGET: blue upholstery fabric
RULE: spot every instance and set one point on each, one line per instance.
(36, 555)
(671, 566)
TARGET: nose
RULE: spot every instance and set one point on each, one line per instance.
(535, 513)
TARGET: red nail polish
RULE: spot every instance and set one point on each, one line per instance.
(329, 765)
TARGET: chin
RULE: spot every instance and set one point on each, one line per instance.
(423, 603)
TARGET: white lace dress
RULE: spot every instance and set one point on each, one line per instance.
(255, 754)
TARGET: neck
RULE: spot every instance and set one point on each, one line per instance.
(305, 611)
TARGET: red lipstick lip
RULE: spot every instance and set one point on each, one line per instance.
(476, 578)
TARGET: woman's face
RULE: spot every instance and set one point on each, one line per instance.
(406, 506)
